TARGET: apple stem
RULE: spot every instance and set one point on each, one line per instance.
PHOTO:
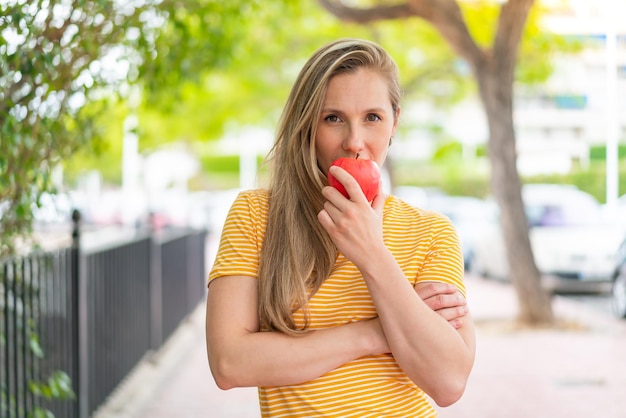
(357, 156)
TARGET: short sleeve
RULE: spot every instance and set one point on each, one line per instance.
(242, 237)
(444, 259)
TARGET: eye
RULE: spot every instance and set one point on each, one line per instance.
(372, 117)
(332, 118)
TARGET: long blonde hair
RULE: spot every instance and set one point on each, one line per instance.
(297, 253)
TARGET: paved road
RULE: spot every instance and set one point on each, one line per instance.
(600, 303)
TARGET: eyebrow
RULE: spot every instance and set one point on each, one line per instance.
(372, 110)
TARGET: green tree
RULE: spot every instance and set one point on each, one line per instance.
(62, 62)
(492, 56)
(49, 57)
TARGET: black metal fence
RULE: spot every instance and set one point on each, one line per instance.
(74, 322)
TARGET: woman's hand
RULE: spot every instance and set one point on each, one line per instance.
(445, 299)
(355, 225)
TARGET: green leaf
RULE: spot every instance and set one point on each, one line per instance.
(34, 345)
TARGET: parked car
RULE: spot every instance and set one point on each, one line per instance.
(470, 216)
(618, 289)
(574, 248)
(616, 212)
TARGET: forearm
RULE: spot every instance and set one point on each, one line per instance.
(275, 359)
(434, 355)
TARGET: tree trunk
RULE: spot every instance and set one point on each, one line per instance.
(496, 94)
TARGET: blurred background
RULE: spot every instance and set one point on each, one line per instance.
(162, 119)
(154, 115)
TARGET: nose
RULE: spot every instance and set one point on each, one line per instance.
(354, 140)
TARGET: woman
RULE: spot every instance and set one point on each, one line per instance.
(335, 306)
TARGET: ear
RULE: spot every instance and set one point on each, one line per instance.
(396, 119)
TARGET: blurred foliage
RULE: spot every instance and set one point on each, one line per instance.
(537, 46)
(450, 150)
(50, 61)
(454, 177)
(590, 178)
(598, 152)
(103, 153)
(471, 177)
(220, 164)
(190, 71)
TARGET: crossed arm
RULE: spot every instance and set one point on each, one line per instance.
(240, 355)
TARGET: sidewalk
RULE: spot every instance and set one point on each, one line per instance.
(571, 372)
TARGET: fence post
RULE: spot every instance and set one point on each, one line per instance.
(196, 260)
(156, 290)
(79, 313)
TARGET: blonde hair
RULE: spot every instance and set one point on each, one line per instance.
(297, 253)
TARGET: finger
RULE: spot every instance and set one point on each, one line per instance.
(445, 301)
(334, 219)
(456, 323)
(429, 289)
(332, 210)
(349, 183)
(333, 195)
(379, 201)
(451, 314)
(325, 220)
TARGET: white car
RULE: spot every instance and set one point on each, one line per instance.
(469, 215)
(616, 212)
(574, 248)
(618, 290)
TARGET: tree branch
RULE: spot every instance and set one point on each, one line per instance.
(366, 15)
(447, 18)
(511, 25)
(444, 15)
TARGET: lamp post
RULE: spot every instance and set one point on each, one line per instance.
(612, 122)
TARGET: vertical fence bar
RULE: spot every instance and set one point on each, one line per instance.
(35, 314)
(6, 373)
(79, 322)
(156, 294)
(15, 329)
(80, 382)
(91, 285)
(4, 392)
(36, 303)
(196, 271)
(26, 272)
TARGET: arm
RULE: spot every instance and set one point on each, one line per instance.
(228, 321)
(435, 355)
(240, 355)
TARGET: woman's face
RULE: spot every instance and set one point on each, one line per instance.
(356, 118)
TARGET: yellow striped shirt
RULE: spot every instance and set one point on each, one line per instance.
(425, 246)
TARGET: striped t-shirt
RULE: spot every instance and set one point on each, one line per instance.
(426, 247)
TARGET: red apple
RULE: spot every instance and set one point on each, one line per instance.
(365, 172)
